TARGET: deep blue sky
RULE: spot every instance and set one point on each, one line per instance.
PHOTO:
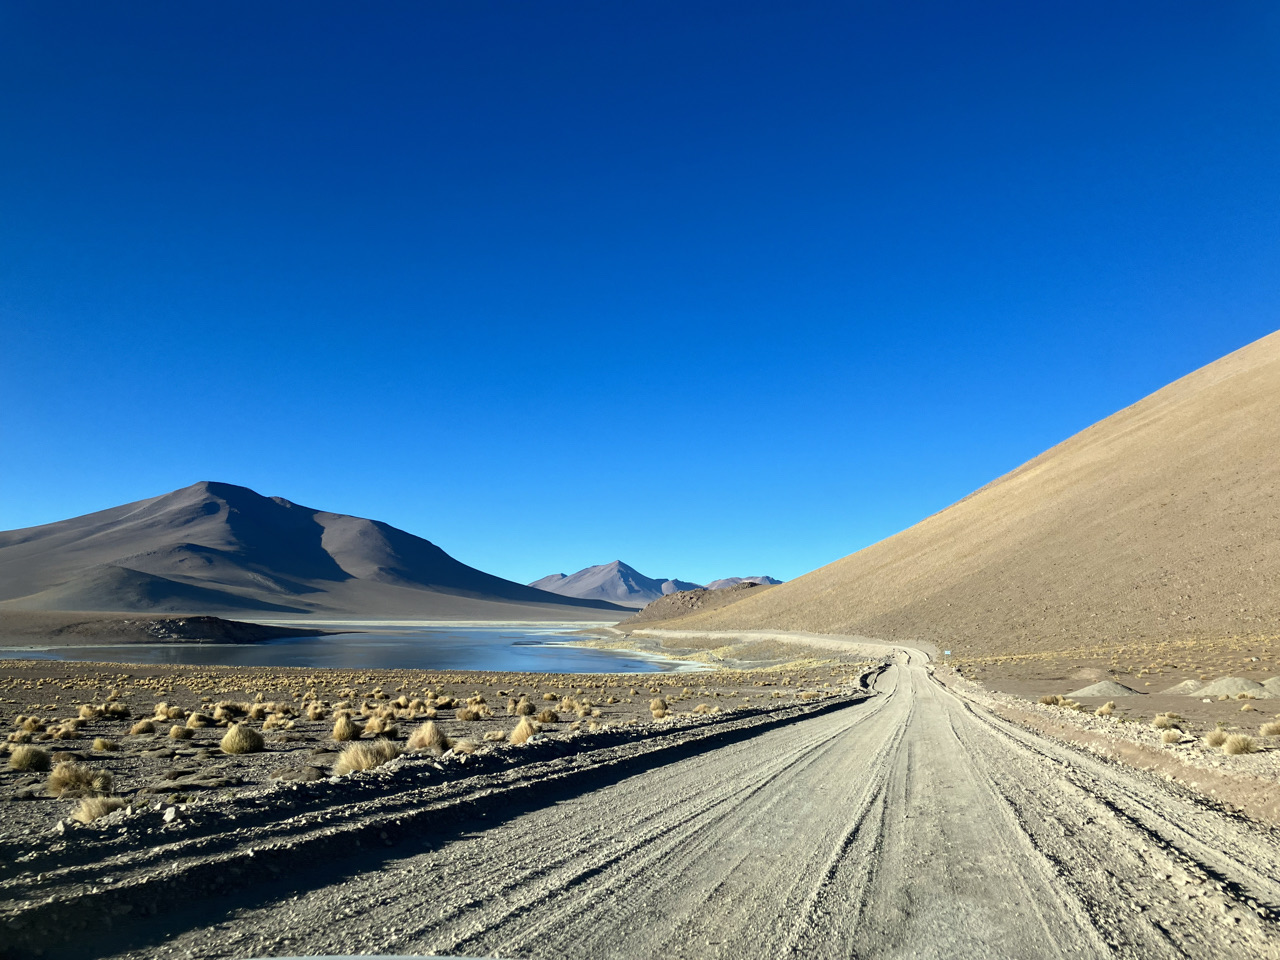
(713, 288)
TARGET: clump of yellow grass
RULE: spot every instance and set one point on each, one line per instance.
(241, 738)
(365, 756)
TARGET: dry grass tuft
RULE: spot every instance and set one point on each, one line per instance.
(380, 724)
(29, 759)
(179, 732)
(78, 778)
(89, 712)
(465, 746)
(91, 808)
(1215, 738)
(525, 709)
(1271, 729)
(1239, 743)
(429, 737)
(365, 756)
(142, 726)
(1162, 722)
(525, 729)
(496, 735)
(656, 704)
(548, 716)
(344, 728)
(197, 721)
(1106, 710)
(242, 739)
(467, 713)
(102, 743)
(1171, 736)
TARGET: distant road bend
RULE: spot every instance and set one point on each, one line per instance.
(914, 824)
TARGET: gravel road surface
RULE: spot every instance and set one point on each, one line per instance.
(910, 824)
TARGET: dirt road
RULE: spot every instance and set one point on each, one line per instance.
(914, 824)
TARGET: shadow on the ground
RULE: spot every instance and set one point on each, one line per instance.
(210, 897)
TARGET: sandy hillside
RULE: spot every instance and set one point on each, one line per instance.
(1162, 521)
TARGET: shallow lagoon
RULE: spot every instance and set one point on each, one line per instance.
(375, 645)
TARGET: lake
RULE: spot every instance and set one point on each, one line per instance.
(417, 645)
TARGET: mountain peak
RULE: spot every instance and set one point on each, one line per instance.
(616, 582)
(215, 546)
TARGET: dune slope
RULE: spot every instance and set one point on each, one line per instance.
(1161, 521)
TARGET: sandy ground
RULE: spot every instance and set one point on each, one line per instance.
(1150, 670)
(916, 822)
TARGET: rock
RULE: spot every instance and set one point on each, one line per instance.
(171, 815)
(305, 774)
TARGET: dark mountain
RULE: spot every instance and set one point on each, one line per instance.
(217, 547)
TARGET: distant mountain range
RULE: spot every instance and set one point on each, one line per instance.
(622, 584)
(219, 548)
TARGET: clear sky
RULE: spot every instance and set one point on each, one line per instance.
(713, 288)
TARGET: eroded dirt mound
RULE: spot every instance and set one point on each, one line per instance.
(685, 602)
(1230, 686)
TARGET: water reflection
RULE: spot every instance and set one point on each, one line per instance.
(436, 646)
